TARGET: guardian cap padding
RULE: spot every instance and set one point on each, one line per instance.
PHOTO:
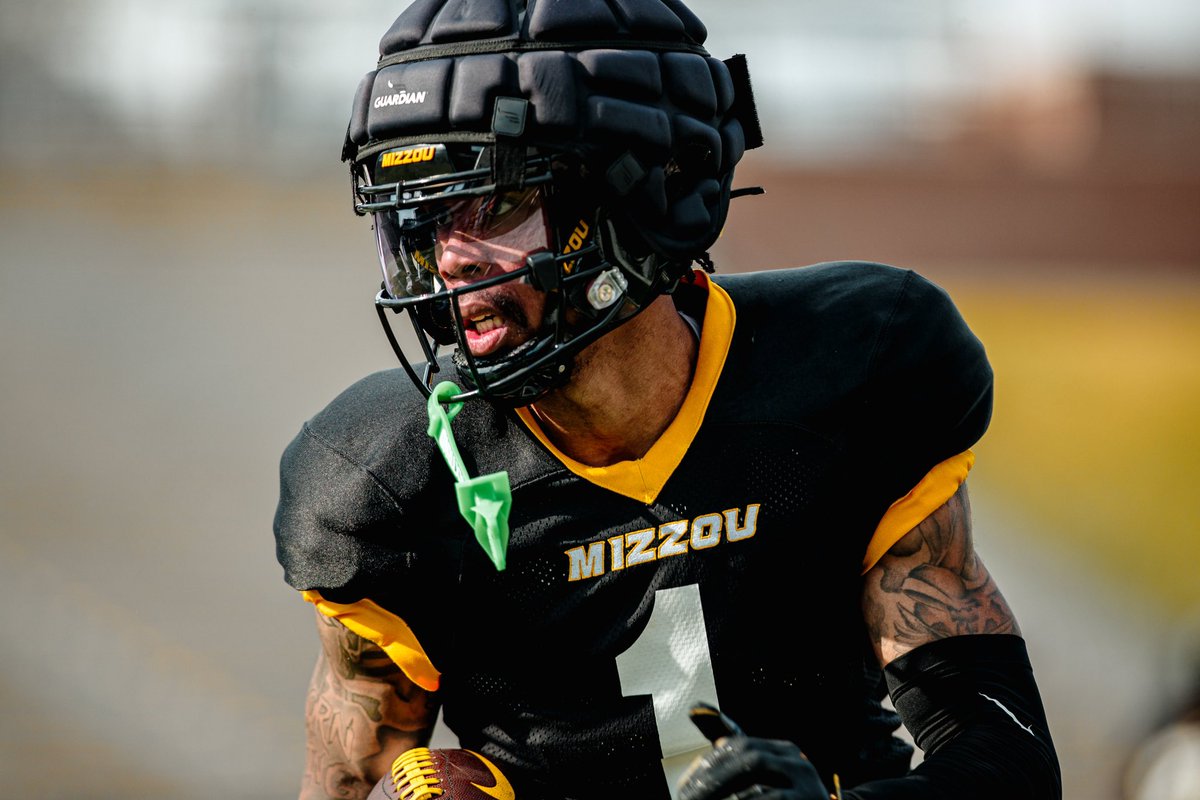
(612, 107)
(626, 84)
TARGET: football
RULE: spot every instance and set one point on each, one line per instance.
(445, 774)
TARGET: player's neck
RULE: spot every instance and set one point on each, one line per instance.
(626, 389)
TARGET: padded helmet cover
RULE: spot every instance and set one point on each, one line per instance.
(625, 84)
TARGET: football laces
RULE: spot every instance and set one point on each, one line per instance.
(414, 776)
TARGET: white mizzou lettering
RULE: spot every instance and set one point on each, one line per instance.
(639, 547)
(672, 539)
(669, 539)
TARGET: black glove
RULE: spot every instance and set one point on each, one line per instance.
(742, 766)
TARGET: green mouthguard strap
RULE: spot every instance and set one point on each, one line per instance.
(484, 501)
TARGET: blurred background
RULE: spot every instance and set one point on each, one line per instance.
(183, 283)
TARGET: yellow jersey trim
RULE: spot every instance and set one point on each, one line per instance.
(643, 478)
(371, 621)
(938, 486)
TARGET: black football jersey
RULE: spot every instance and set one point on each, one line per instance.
(724, 566)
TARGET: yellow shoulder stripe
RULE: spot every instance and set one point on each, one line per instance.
(642, 479)
(938, 486)
(371, 621)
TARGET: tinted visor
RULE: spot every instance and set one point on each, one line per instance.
(404, 236)
(502, 229)
(440, 197)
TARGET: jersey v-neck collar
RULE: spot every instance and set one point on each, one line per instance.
(643, 478)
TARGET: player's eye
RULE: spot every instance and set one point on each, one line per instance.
(491, 213)
(502, 205)
(499, 206)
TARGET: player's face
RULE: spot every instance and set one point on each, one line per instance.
(486, 237)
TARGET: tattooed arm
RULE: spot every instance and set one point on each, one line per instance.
(362, 712)
(932, 585)
(957, 670)
(969, 700)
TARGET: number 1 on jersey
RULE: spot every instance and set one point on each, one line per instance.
(671, 662)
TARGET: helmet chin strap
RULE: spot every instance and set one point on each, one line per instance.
(611, 291)
(593, 292)
(521, 387)
(597, 275)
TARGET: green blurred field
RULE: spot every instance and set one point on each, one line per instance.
(1097, 421)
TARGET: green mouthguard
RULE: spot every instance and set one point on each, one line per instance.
(485, 501)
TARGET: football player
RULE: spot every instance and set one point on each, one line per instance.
(635, 488)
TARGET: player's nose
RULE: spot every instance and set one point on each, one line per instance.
(458, 265)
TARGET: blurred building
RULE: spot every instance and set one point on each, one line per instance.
(262, 81)
(953, 114)
(1099, 168)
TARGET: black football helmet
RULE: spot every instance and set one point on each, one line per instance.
(610, 114)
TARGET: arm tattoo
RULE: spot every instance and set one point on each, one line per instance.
(362, 711)
(932, 585)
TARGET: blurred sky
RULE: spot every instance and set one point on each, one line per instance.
(261, 80)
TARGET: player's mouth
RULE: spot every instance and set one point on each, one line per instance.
(485, 333)
(493, 323)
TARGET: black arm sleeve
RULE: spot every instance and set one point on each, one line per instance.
(973, 707)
